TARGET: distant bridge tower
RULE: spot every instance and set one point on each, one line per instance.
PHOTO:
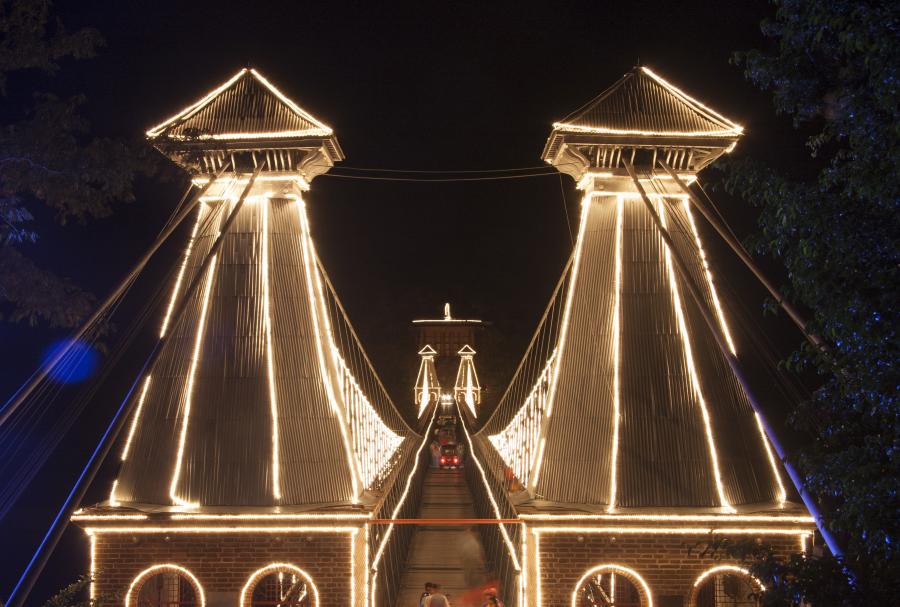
(624, 437)
(261, 440)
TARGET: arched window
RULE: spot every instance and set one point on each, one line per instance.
(165, 586)
(280, 584)
(612, 586)
(726, 586)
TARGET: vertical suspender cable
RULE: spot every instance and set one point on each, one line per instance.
(19, 397)
(735, 366)
(726, 235)
(76, 495)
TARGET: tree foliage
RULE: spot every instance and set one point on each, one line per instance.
(834, 67)
(48, 157)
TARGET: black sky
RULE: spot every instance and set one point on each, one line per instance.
(432, 85)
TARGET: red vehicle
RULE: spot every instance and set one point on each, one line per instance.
(450, 459)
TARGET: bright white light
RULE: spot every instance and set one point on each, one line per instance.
(189, 388)
(627, 572)
(184, 261)
(692, 370)
(614, 455)
(134, 588)
(134, 421)
(270, 364)
(731, 569)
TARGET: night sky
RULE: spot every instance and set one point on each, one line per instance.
(431, 86)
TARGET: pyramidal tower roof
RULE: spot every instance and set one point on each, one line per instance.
(246, 120)
(262, 396)
(246, 106)
(624, 401)
(642, 103)
(640, 118)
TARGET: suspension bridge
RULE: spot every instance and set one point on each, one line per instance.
(262, 462)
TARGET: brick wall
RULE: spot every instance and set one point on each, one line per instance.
(669, 564)
(223, 562)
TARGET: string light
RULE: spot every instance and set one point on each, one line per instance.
(134, 421)
(677, 91)
(490, 494)
(732, 568)
(782, 493)
(151, 571)
(306, 243)
(692, 371)
(467, 388)
(427, 385)
(184, 261)
(195, 361)
(627, 572)
(614, 455)
(259, 574)
(92, 588)
(602, 130)
(273, 396)
(113, 500)
(720, 314)
(320, 128)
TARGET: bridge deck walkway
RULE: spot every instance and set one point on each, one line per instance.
(450, 555)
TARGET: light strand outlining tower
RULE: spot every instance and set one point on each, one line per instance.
(626, 416)
(261, 415)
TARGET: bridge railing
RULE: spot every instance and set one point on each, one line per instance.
(391, 543)
(502, 542)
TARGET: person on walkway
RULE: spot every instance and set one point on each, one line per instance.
(491, 599)
(436, 598)
(429, 588)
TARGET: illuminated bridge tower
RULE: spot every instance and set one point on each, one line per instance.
(624, 438)
(261, 440)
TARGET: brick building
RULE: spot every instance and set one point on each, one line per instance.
(260, 441)
(625, 441)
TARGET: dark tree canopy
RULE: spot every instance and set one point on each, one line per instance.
(834, 68)
(48, 157)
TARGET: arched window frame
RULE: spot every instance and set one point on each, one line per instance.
(733, 569)
(259, 574)
(633, 576)
(134, 590)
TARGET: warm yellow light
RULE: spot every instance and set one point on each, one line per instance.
(134, 421)
(387, 534)
(151, 571)
(315, 310)
(629, 573)
(92, 589)
(195, 106)
(728, 568)
(782, 493)
(189, 388)
(113, 500)
(255, 135)
(184, 262)
(614, 455)
(490, 494)
(602, 130)
(259, 574)
(692, 370)
(738, 128)
(270, 364)
(720, 313)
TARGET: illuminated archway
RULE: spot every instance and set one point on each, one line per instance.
(612, 585)
(288, 582)
(165, 585)
(726, 586)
